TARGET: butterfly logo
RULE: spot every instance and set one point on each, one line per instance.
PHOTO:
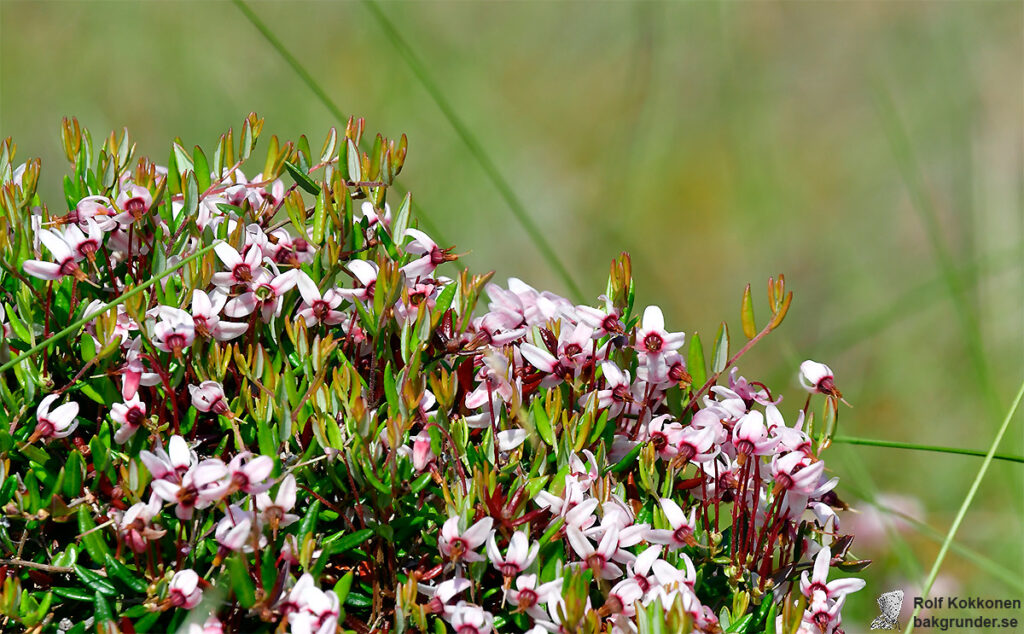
(890, 604)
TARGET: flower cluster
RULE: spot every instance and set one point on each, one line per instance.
(281, 406)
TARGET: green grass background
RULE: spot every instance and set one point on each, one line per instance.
(871, 151)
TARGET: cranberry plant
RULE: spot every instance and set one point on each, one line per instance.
(250, 395)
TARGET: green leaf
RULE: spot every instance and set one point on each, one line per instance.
(308, 523)
(444, 302)
(355, 172)
(349, 542)
(330, 145)
(345, 583)
(93, 539)
(390, 390)
(721, 349)
(74, 470)
(125, 575)
(202, 168)
(302, 179)
(319, 218)
(627, 461)
(95, 581)
(241, 582)
(695, 363)
(543, 422)
(747, 315)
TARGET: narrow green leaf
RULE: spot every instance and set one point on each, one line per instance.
(302, 179)
(747, 315)
(241, 582)
(355, 172)
(543, 422)
(202, 168)
(695, 363)
(721, 349)
(348, 542)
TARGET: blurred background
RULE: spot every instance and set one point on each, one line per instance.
(870, 151)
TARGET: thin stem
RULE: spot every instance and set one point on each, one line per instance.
(966, 503)
(476, 149)
(112, 303)
(871, 442)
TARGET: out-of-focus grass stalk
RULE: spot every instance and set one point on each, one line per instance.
(476, 149)
(921, 201)
(1009, 577)
(966, 503)
(871, 442)
(325, 99)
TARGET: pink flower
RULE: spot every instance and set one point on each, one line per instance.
(175, 331)
(136, 526)
(681, 532)
(276, 511)
(133, 372)
(442, 594)
(460, 547)
(368, 211)
(652, 338)
(240, 270)
(529, 596)
(264, 295)
(818, 378)
(234, 530)
(130, 415)
(623, 596)
(249, 474)
(471, 619)
(201, 486)
(294, 251)
(665, 435)
(599, 559)
(366, 273)
(184, 590)
(603, 321)
(95, 208)
(617, 393)
(795, 472)
(494, 383)
(819, 583)
(697, 443)
(432, 255)
(84, 246)
(317, 308)
(169, 466)
(208, 396)
(422, 454)
(750, 437)
(134, 201)
(205, 310)
(57, 423)
(65, 259)
(519, 557)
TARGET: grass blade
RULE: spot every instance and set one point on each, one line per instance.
(906, 161)
(477, 150)
(871, 442)
(966, 503)
(92, 314)
(328, 103)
